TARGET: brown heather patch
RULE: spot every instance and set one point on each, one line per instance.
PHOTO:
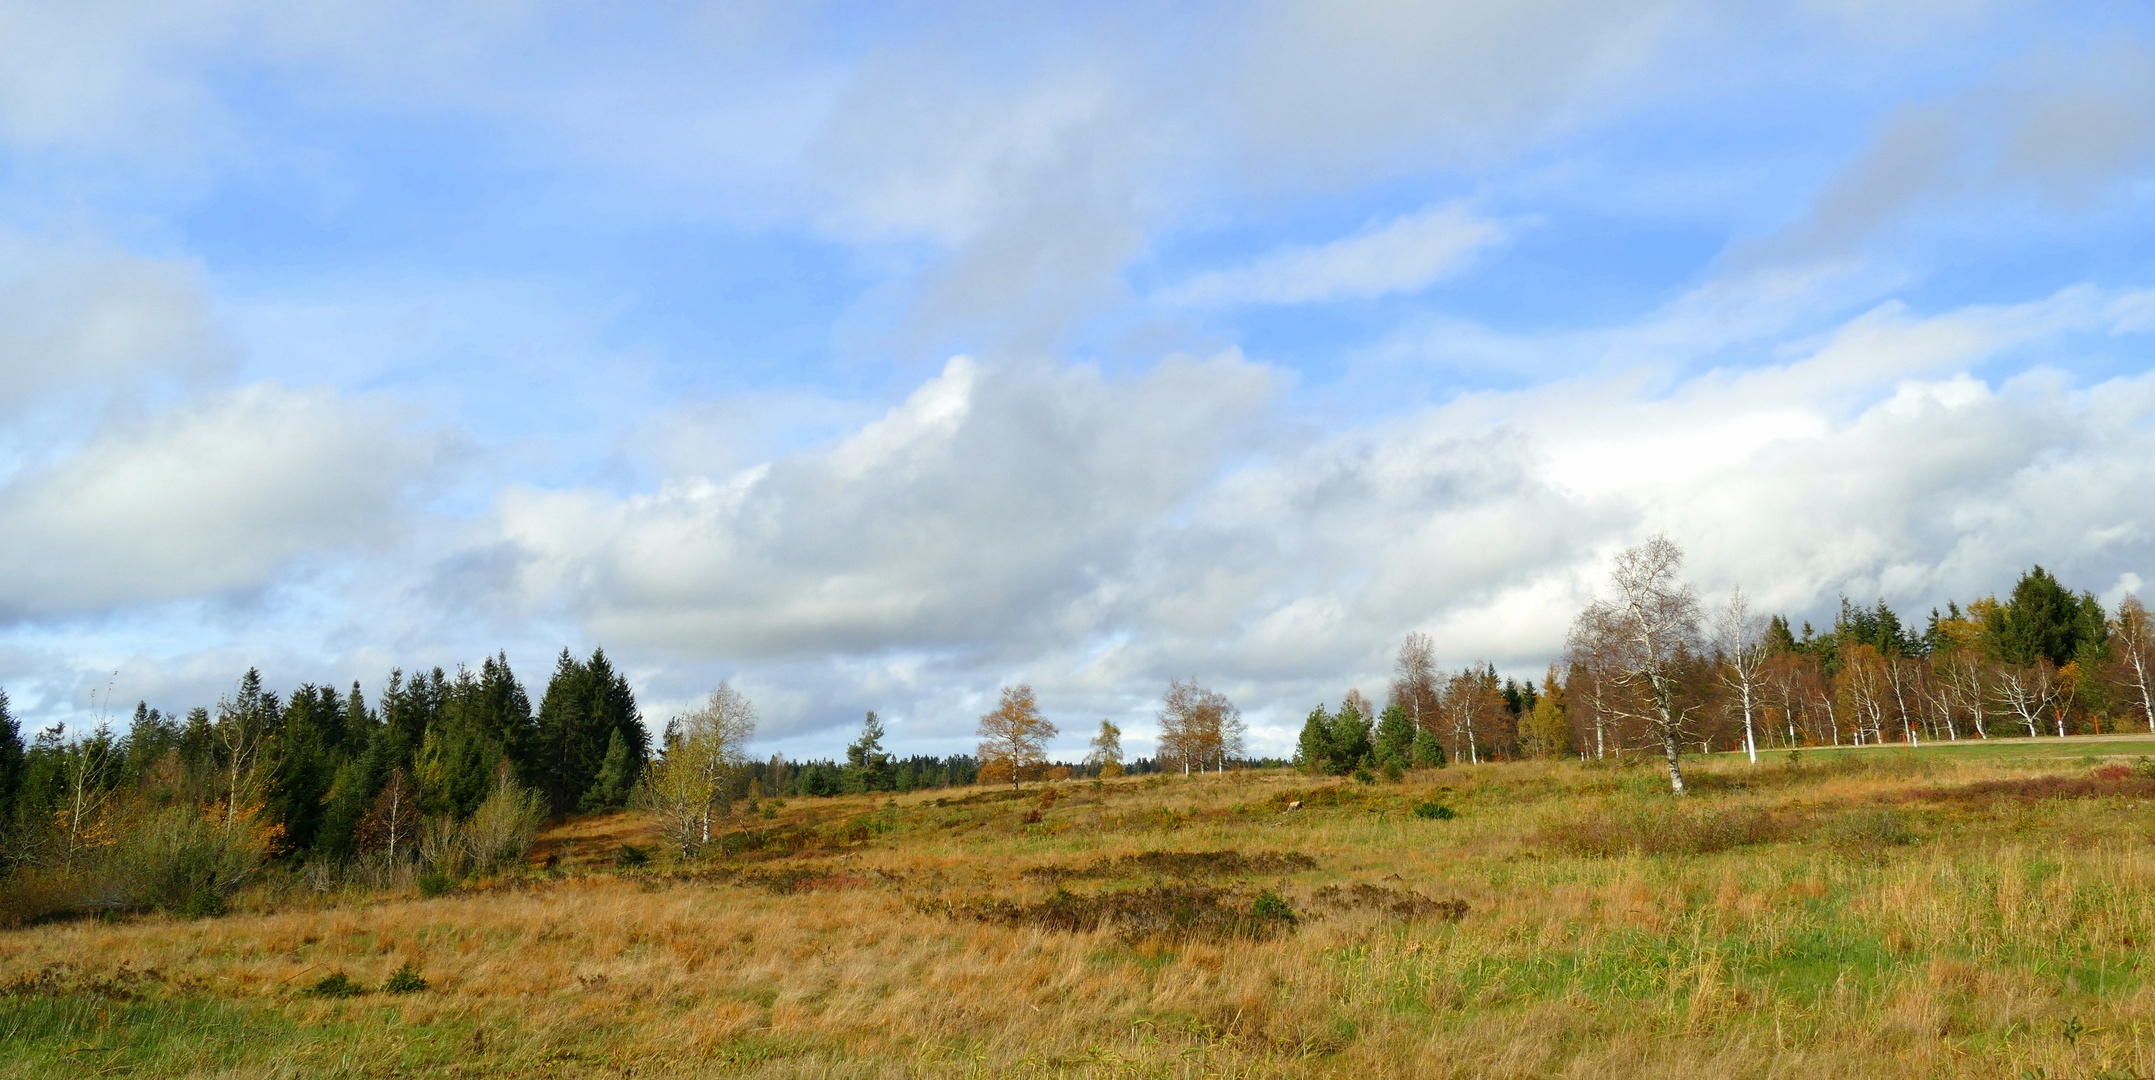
(1181, 864)
(2108, 782)
(1398, 903)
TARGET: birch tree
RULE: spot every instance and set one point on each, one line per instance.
(1198, 727)
(1416, 683)
(1741, 637)
(690, 785)
(1013, 736)
(2132, 645)
(1648, 627)
(2027, 692)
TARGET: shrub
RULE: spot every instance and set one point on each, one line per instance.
(336, 985)
(436, 884)
(1364, 776)
(180, 852)
(407, 980)
(630, 856)
(1434, 811)
(502, 829)
(1270, 908)
(1392, 772)
(203, 904)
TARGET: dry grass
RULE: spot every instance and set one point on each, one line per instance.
(1841, 927)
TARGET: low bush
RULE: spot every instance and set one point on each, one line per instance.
(336, 985)
(1434, 811)
(407, 980)
(436, 884)
(629, 857)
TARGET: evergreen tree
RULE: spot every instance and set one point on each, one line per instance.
(11, 761)
(358, 782)
(2043, 619)
(1429, 750)
(301, 767)
(1350, 739)
(1395, 736)
(610, 789)
(1314, 749)
(867, 766)
(585, 705)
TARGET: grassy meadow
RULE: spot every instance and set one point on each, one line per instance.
(1969, 910)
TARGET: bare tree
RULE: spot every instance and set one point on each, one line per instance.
(2132, 641)
(1592, 663)
(2027, 692)
(1741, 637)
(1416, 681)
(1647, 629)
(1966, 680)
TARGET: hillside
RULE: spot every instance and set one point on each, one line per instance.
(1976, 909)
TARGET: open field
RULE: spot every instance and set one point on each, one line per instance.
(1969, 910)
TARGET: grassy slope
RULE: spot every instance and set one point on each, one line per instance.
(1817, 919)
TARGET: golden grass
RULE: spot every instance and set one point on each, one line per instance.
(1866, 931)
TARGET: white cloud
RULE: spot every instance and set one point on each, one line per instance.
(72, 318)
(1098, 536)
(1405, 254)
(217, 495)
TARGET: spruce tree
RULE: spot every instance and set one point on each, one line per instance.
(609, 790)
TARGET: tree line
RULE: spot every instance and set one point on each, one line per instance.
(1647, 669)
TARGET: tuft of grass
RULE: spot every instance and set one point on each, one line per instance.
(1434, 811)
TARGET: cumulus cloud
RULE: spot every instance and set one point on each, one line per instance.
(968, 517)
(218, 495)
(1405, 254)
(1098, 536)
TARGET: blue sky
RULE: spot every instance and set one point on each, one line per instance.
(875, 356)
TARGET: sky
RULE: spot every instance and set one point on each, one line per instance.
(879, 356)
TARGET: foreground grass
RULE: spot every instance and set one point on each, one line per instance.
(1861, 914)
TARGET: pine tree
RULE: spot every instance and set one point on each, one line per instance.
(867, 766)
